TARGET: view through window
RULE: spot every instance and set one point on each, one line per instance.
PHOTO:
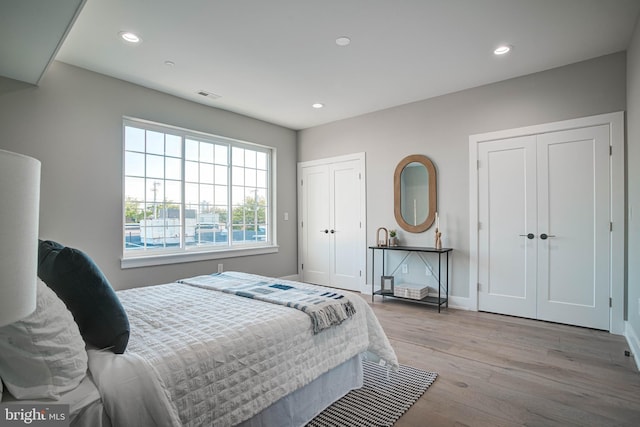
(188, 191)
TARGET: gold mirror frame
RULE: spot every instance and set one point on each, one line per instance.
(397, 191)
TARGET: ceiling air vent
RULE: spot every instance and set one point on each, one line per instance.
(209, 95)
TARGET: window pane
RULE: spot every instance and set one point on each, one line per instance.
(155, 166)
(154, 191)
(191, 149)
(221, 195)
(174, 146)
(250, 158)
(261, 162)
(133, 163)
(174, 168)
(191, 171)
(206, 173)
(237, 196)
(262, 196)
(221, 174)
(155, 142)
(173, 192)
(221, 154)
(237, 215)
(134, 188)
(191, 194)
(237, 176)
(134, 139)
(261, 179)
(206, 152)
(206, 195)
(250, 177)
(237, 156)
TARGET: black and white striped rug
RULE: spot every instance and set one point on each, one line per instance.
(383, 398)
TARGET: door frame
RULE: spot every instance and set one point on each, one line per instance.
(615, 121)
(362, 237)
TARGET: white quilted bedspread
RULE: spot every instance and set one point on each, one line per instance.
(205, 357)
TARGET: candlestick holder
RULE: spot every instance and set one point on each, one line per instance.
(438, 239)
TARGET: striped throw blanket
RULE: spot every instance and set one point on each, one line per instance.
(325, 308)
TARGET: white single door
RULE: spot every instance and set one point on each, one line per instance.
(507, 227)
(332, 239)
(573, 211)
(544, 241)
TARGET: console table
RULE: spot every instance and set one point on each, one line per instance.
(443, 288)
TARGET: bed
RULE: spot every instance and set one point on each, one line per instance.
(198, 354)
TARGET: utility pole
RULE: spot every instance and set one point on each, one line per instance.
(156, 184)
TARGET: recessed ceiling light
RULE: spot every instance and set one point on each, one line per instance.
(130, 37)
(502, 50)
(343, 41)
(317, 105)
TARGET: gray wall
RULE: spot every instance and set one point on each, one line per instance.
(633, 186)
(72, 123)
(440, 128)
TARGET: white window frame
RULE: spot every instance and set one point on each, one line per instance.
(184, 253)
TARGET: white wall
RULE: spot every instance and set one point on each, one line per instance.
(633, 192)
(440, 128)
(72, 123)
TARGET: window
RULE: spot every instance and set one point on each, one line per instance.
(188, 192)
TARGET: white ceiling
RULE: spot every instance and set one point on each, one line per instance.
(272, 59)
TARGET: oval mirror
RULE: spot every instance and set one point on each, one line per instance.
(414, 193)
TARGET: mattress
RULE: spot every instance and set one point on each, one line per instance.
(202, 357)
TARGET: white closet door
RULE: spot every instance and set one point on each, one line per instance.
(554, 187)
(332, 237)
(573, 208)
(346, 245)
(316, 220)
(507, 214)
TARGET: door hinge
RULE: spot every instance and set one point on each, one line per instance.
(301, 182)
(301, 224)
(611, 150)
(610, 226)
(479, 287)
(359, 175)
(479, 226)
(360, 273)
(477, 164)
(610, 302)
(301, 266)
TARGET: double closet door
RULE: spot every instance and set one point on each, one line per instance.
(332, 240)
(544, 226)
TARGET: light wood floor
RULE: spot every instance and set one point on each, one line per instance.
(498, 370)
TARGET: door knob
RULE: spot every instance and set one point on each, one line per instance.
(544, 236)
(332, 231)
(528, 236)
(324, 231)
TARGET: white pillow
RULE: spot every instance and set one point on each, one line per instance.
(42, 355)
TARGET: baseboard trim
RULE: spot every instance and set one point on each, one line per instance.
(634, 343)
(293, 277)
(460, 303)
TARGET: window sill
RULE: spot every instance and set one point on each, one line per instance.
(177, 258)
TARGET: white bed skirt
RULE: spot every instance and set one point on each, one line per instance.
(301, 406)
